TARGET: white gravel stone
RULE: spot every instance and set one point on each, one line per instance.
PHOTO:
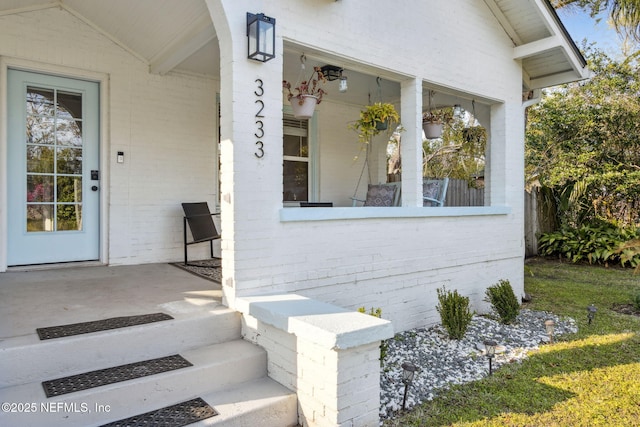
(443, 362)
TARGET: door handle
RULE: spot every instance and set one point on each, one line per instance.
(94, 188)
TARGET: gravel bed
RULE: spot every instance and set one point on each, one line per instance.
(443, 362)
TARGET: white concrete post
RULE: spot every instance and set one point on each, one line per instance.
(251, 147)
(411, 146)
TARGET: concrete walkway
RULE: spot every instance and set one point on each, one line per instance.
(41, 298)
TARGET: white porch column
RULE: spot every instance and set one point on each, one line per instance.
(251, 147)
(411, 147)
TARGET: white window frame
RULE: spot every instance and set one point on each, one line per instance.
(312, 159)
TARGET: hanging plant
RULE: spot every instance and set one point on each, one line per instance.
(305, 96)
(374, 119)
(310, 87)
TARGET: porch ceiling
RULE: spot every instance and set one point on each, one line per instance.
(166, 34)
(548, 54)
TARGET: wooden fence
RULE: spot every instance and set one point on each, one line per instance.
(460, 194)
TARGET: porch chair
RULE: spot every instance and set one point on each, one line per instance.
(434, 192)
(383, 195)
(200, 221)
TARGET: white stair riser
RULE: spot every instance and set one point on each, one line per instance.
(215, 368)
(22, 363)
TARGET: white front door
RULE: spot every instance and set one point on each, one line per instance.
(53, 176)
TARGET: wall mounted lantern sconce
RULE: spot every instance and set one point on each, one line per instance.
(591, 312)
(332, 72)
(490, 349)
(408, 372)
(342, 88)
(549, 325)
(261, 35)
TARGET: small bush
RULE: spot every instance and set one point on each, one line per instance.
(377, 312)
(504, 301)
(454, 312)
(596, 244)
(636, 302)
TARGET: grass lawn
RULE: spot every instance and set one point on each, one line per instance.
(591, 378)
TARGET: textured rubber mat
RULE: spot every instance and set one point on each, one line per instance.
(113, 375)
(99, 325)
(178, 415)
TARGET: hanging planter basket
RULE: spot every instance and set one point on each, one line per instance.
(382, 125)
(432, 130)
(306, 109)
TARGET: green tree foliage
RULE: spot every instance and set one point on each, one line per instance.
(460, 152)
(583, 142)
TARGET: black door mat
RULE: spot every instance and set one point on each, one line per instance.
(210, 269)
(177, 415)
(113, 375)
(99, 325)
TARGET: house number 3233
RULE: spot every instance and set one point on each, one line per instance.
(259, 134)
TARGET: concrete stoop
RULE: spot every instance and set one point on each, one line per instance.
(227, 372)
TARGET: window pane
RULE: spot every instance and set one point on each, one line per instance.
(69, 105)
(40, 130)
(291, 145)
(296, 183)
(69, 189)
(39, 159)
(69, 132)
(39, 188)
(69, 217)
(295, 146)
(39, 218)
(69, 161)
(40, 101)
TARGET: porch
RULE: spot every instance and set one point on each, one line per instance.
(226, 372)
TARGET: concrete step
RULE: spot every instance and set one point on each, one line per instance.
(218, 370)
(262, 402)
(27, 359)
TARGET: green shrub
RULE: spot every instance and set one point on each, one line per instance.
(596, 244)
(504, 301)
(377, 312)
(454, 312)
(636, 302)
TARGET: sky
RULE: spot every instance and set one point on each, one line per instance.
(580, 26)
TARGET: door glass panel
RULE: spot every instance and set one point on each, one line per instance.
(69, 161)
(69, 132)
(39, 159)
(39, 217)
(54, 160)
(69, 105)
(39, 188)
(69, 217)
(40, 101)
(40, 130)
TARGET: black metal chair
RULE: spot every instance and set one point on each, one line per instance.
(200, 221)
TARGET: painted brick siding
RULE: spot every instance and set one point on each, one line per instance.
(393, 263)
(165, 125)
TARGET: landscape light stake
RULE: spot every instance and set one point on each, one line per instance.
(408, 371)
(490, 349)
(549, 324)
(591, 312)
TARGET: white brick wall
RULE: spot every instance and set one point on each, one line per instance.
(165, 125)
